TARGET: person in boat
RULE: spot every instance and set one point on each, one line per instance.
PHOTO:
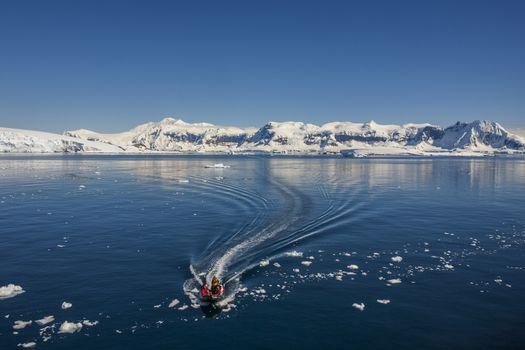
(216, 287)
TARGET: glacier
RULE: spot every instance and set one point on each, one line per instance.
(479, 137)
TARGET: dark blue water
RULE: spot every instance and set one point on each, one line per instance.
(120, 237)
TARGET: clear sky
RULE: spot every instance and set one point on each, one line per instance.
(110, 65)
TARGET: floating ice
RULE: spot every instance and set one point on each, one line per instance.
(9, 291)
(31, 344)
(359, 307)
(157, 306)
(183, 307)
(394, 281)
(294, 253)
(397, 258)
(448, 266)
(296, 270)
(174, 303)
(306, 263)
(45, 320)
(264, 263)
(21, 324)
(70, 327)
(276, 264)
(66, 305)
(89, 323)
(218, 165)
(352, 267)
(383, 301)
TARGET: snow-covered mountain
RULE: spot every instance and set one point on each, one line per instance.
(169, 135)
(27, 141)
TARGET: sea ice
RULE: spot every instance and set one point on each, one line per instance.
(89, 323)
(9, 291)
(397, 258)
(183, 307)
(264, 263)
(21, 324)
(352, 267)
(306, 263)
(359, 307)
(394, 281)
(174, 303)
(45, 320)
(70, 327)
(29, 345)
(294, 253)
(66, 305)
(383, 301)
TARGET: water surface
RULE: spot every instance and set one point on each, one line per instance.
(120, 237)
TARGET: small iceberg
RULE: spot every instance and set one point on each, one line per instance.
(70, 327)
(397, 258)
(45, 320)
(66, 305)
(9, 291)
(217, 166)
(21, 324)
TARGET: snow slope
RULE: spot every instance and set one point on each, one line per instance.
(27, 141)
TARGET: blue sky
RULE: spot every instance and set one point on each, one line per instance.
(110, 65)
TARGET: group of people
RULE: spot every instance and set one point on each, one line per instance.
(217, 289)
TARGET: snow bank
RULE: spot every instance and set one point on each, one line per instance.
(10, 291)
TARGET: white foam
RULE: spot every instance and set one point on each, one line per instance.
(294, 253)
(9, 291)
(70, 327)
(264, 263)
(31, 344)
(45, 320)
(174, 303)
(359, 307)
(397, 258)
(306, 263)
(21, 324)
(352, 267)
(66, 305)
(383, 301)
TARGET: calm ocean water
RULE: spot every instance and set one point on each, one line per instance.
(121, 237)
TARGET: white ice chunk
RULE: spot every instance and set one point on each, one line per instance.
(9, 291)
(174, 303)
(397, 258)
(306, 263)
(294, 253)
(352, 267)
(89, 323)
(70, 327)
(359, 307)
(45, 320)
(264, 263)
(383, 301)
(394, 281)
(66, 305)
(29, 345)
(21, 324)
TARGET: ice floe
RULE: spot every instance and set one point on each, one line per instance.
(21, 324)
(9, 291)
(306, 263)
(397, 258)
(28, 345)
(89, 323)
(66, 305)
(383, 301)
(352, 267)
(394, 281)
(294, 253)
(45, 320)
(70, 327)
(360, 306)
(173, 303)
(264, 263)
